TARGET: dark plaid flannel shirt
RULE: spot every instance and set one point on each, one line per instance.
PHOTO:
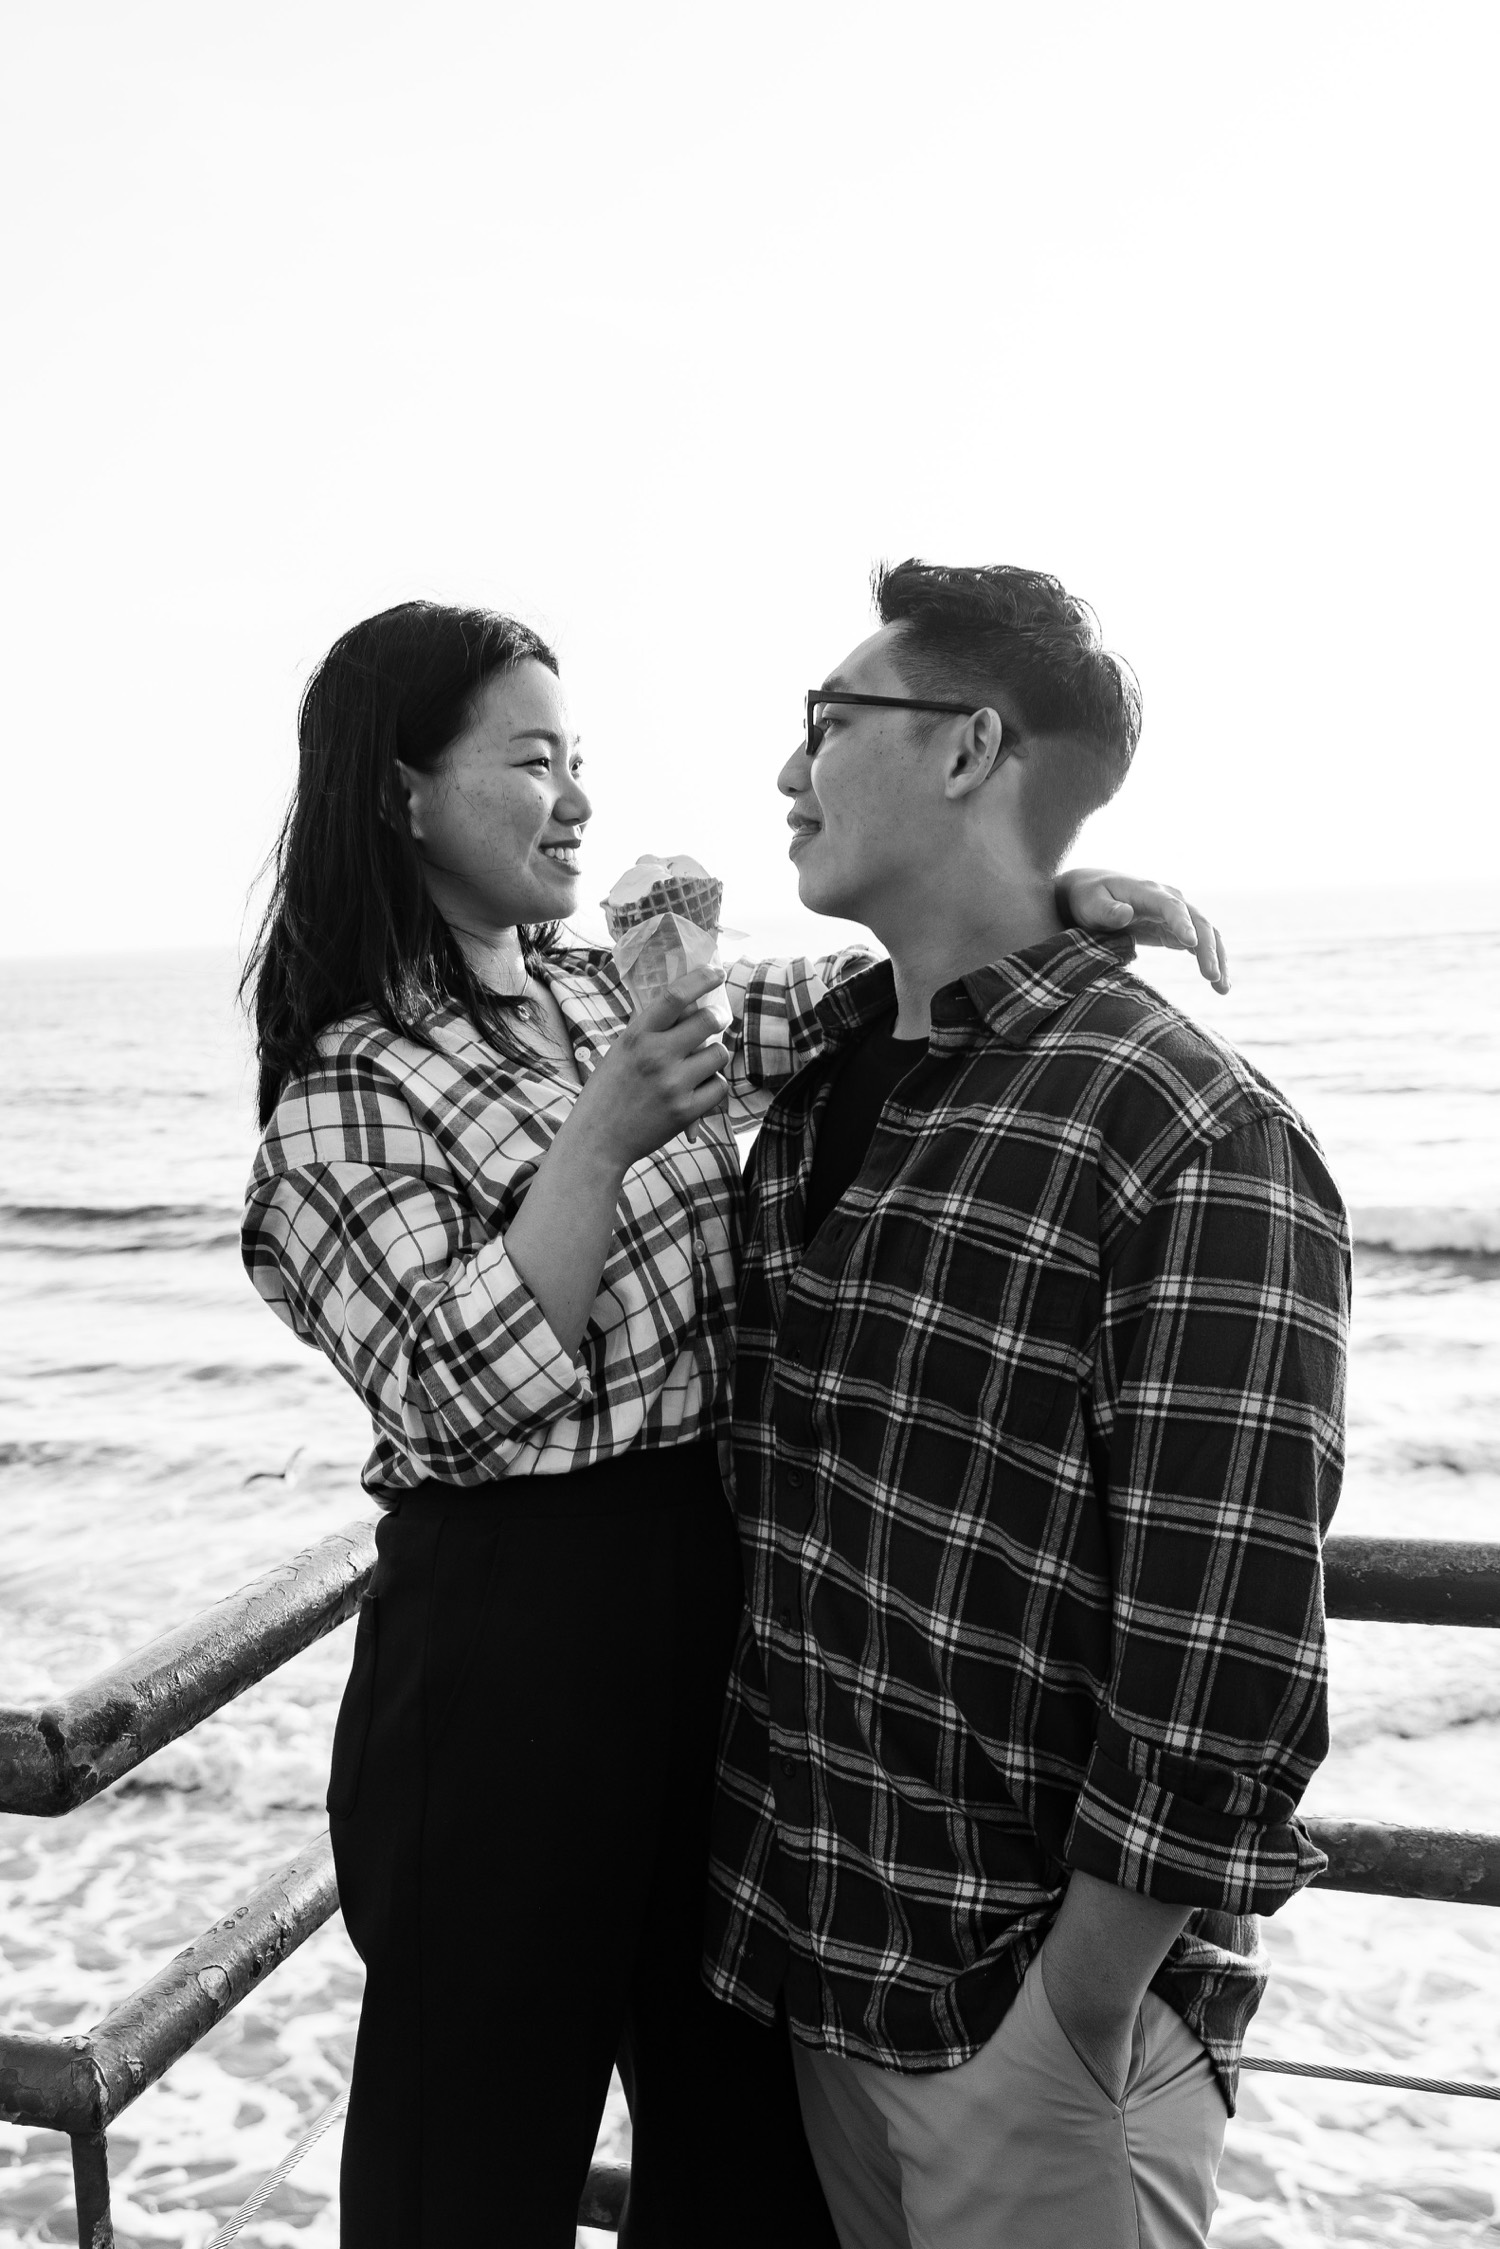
(1034, 1447)
(376, 1216)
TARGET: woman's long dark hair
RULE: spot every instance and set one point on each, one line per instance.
(350, 924)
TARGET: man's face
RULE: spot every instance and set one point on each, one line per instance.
(867, 811)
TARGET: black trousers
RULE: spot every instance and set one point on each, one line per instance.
(520, 1800)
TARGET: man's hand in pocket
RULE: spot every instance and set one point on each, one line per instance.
(1100, 1955)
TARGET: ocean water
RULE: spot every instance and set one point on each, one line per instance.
(162, 1440)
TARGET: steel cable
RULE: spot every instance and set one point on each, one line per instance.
(1371, 2077)
(284, 2168)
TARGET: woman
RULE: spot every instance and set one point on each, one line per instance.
(478, 1194)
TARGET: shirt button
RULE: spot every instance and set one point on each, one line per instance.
(700, 1249)
(789, 1764)
(784, 1617)
(794, 1478)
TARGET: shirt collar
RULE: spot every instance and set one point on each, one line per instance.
(1011, 997)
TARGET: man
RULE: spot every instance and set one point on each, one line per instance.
(1038, 1424)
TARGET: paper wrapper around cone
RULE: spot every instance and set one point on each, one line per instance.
(671, 928)
(695, 898)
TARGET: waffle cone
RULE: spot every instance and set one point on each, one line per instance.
(695, 898)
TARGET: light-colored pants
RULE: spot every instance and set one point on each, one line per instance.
(1019, 2148)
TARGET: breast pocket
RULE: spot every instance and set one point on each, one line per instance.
(1034, 1315)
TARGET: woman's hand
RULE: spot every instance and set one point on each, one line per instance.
(1154, 914)
(664, 1071)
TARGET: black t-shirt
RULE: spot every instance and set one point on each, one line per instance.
(867, 1074)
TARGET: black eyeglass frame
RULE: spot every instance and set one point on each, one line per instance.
(817, 695)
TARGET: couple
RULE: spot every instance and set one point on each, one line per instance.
(1040, 1308)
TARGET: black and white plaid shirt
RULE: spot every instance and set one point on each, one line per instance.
(1034, 1445)
(375, 1228)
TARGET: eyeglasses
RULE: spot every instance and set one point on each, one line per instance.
(817, 697)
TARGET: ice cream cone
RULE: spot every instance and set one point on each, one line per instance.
(663, 920)
(696, 898)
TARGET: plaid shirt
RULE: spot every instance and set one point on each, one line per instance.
(1034, 1445)
(375, 1228)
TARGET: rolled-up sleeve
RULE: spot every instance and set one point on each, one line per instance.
(373, 1258)
(1217, 1425)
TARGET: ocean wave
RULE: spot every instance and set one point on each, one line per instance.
(89, 1228)
(94, 1229)
(61, 1452)
(1419, 1231)
(1382, 1454)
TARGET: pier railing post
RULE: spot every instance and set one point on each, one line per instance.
(91, 2190)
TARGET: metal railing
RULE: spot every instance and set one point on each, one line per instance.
(57, 1755)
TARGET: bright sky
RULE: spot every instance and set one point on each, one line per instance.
(661, 323)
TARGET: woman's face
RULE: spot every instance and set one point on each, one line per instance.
(499, 820)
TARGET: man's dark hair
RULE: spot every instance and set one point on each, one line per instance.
(1018, 641)
(350, 924)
